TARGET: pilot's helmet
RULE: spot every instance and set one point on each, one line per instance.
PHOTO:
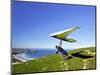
(57, 46)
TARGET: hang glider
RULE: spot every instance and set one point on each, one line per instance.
(63, 35)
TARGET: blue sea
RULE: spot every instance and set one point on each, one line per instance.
(32, 54)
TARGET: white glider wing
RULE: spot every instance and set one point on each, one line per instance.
(62, 35)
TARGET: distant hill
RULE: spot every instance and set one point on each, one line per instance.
(18, 50)
(21, 50)
(79, 59)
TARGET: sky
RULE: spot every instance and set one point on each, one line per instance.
(33, 22)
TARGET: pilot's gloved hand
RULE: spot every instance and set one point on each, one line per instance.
(57, 52)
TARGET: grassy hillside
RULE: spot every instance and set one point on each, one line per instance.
(83, 58)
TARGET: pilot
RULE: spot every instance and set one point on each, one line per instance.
(62, 51)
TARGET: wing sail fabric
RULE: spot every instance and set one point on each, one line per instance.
(64, 34)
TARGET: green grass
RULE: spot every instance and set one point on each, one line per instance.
(55, 62)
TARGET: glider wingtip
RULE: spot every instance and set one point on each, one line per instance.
(50, 35)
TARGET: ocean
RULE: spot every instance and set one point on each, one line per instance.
(32, 54)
